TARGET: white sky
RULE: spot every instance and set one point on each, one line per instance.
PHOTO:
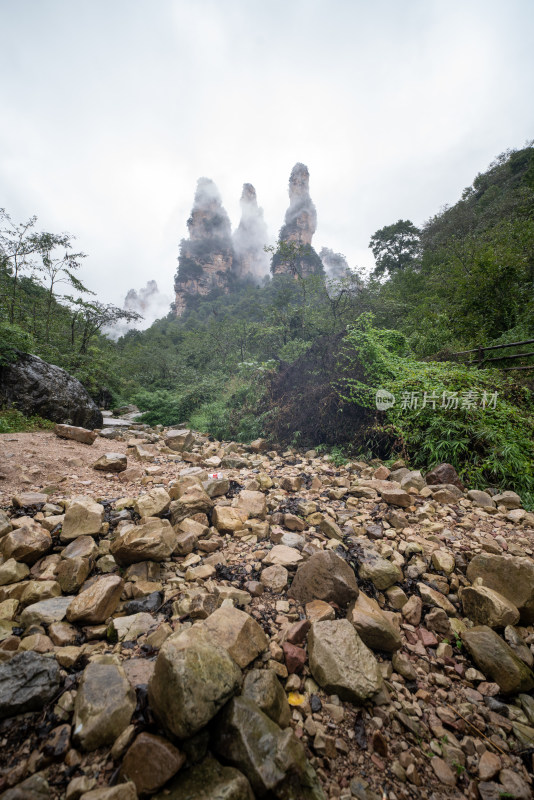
(111, 110)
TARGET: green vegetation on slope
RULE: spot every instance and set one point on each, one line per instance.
(477, 420)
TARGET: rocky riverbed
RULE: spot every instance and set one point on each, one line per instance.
(186, 618)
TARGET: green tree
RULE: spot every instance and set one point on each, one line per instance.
(58, 268)
(91, 318)
(295, 257)
(18, 244)
(395, 247)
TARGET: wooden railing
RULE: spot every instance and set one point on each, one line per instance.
(479, 359)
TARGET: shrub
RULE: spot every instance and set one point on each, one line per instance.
(13, 421)
(165, 407)
(487, 446)
(13, 340)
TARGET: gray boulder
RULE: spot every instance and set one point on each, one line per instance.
(192, 680)
(263, 687)
(27, 683)
(273, 760)
(35, 387)
(324, 576)
(341, 663)
(208, 780)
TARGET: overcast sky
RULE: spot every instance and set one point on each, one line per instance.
(111, 110)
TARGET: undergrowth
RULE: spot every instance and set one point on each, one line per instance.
(13, 421)
(477, 420)
(227, 409)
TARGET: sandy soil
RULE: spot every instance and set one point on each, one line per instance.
(35, 461)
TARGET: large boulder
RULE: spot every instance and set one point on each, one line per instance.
(83, 517)
(497, 660)
(263, 687)
(208, 780)
(33, 788)
(179, 440)
(193, 679)
(324, 576)
(253, 503)
(374, 627)
(238, 633)
(193, 501)
(150, 762)
(487, 607)
(152, 504)
(96, 603)
(76, 434)
(380, 571)
(123, 791)
(104, 705)
(153, 541)
(45, 612)
(27, 544)
(111, 462)
(341, 663)
(35, 387)
(273, 760)
(444, 473)
(511, 576)
(27, 683)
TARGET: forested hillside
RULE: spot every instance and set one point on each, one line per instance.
(299, 359)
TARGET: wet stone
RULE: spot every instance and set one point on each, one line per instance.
(27, 683)
(104, 705)
(208, 780)
(272, 759)
(192, 680)
(265, 689)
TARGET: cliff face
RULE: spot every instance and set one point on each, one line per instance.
(206, 259)
(299, 227)
(251, 237)
(212, 259)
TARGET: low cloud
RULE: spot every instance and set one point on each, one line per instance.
(149, 302)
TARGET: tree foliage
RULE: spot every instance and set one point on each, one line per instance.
(395, 247)
(477, 420)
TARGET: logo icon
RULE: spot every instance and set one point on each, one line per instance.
(384, 400)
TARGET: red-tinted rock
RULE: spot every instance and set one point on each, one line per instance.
(444, 473)
(427, 638)
(298, 632)
(295, 657)
(150, 762)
